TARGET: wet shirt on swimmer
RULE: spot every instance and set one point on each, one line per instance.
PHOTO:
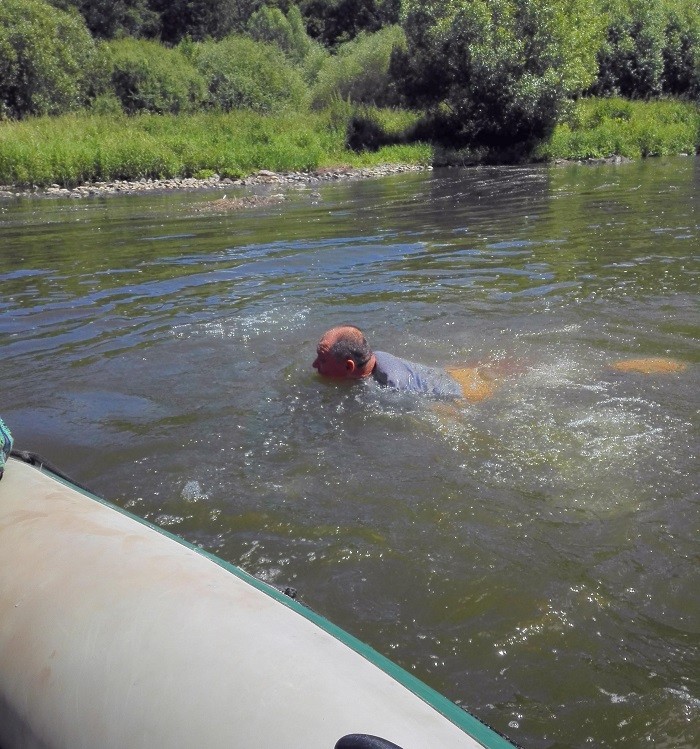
(400, 374)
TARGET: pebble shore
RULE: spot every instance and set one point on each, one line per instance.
(215, 182)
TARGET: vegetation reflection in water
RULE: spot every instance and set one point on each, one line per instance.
(532, 556)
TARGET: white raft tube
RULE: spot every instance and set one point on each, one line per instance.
(115, 634)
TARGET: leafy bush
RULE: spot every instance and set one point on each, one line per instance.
(652, 47)
(243, 73)
(45, 59)
(334, 22)
(359, 71)
(107, 19)
(287, 32)
(107, 105)
(681, 53)
(202, 19)
(313, 63)
(631, 59)
(148, 77)
(497, 71)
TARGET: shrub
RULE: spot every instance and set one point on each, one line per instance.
(45, 59)
(202, 19)
(681, 53)
(497, 71)
(334, 22)
(107, 19)
(287, 32)
(313, 63)
(147, 77)
(630, 61)
(107, 105)
(243, 73)
(652, 47)
(359, 71)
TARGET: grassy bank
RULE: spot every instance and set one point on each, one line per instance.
(79, 148)
(599, 128)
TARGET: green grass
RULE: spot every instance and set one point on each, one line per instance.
(86, 147)
(78, 148)
(600, 128)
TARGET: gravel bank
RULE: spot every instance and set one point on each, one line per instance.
(263, 177)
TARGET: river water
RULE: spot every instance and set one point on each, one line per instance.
(533, 556)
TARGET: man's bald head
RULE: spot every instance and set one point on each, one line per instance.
(348, 342)
(343, 351)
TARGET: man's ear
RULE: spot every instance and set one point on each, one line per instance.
(350, 366)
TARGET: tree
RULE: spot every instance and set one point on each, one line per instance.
(333, 22)
(631, 58)
(108, 19)
(244, 74)
(147, 77)
(359, 71)
(499, 71)
(45, 59)
(202, 19)
(286, 31)
(652, 47)
(681, 53)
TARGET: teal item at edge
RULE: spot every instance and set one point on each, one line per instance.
(5, 444)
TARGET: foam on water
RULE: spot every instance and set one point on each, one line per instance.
(557, 430)
(246, 327)
(192, 491)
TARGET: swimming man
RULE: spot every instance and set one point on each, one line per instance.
(343, 353)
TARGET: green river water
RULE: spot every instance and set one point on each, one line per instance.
(533, 556)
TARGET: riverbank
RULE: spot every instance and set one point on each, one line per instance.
(84, 155)
(264, 178)
(215, 182)
(122, 153)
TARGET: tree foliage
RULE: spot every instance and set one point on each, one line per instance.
(243, 73)
(333, 22)
(108, 19)
(45, 59)
(147, 77)
(360, 70)
(681, 76)
(202, 19)
(271, 25)
(631, 59)
(652, 47)
(500, 70)
(488, 72)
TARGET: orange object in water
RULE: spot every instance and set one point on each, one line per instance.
(475, 387)
(650, 365)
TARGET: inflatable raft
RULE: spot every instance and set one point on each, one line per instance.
(116, 634)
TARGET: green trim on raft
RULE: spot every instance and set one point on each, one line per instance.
(462, 719)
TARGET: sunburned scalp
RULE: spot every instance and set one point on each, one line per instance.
(347, 342)
(343, 352)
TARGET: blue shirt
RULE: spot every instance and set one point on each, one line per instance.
(400, 374)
